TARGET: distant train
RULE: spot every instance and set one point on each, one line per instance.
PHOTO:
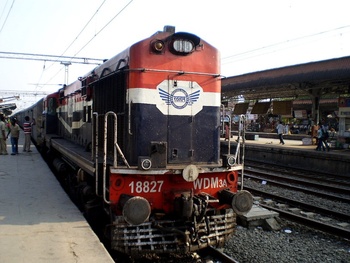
(139, 136)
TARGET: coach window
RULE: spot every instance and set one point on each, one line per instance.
(51, 109)
(61, 94)
(84, 114)
(87, 114)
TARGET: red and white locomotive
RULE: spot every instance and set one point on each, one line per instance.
(142, 134)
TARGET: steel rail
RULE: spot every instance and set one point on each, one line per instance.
(304, 190)
(301, 205)
(308, 181)
(219, 255)
(330, 229)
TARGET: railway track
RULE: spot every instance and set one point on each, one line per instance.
(214, 255)
(339, 191)
(332, 222)
(301, 173)
(299, 185)
(300, 199)
(207, 255)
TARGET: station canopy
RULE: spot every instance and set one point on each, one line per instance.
(324, 79)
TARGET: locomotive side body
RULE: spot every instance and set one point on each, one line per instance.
(142, 134)
(73, 109)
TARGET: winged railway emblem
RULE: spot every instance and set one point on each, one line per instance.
(179, 98)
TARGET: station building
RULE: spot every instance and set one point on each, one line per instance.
(300, 95)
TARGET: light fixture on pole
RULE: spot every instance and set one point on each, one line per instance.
(66, 64)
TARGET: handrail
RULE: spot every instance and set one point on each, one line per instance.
(129, 118)
(122, 155)
(105, 151)
(95, 149)
(241, 134)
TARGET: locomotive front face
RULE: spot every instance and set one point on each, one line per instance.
(175, 103)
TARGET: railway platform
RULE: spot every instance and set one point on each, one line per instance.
(38, 221)
(294, 153)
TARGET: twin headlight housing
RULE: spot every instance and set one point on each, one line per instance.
(176, 46)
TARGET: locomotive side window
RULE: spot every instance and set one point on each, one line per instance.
(61, 94)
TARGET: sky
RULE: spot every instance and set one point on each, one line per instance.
(251, 35)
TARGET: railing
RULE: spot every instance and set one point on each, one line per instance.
(241, 136)
(95, 149)
(105, 189)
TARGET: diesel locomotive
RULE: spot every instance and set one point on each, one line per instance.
(139, 137)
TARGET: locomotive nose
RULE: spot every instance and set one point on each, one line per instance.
(241, 202)
(136, 210)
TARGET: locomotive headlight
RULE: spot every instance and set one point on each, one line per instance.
(182, 46)
(136, 210)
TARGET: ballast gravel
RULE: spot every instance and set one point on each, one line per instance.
(293, 243)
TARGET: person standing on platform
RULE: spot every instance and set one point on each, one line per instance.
(286, 129)
(325, 136)
(280, 131)
(319, 139)
(27, 128)
(14, 130)
(3, 148)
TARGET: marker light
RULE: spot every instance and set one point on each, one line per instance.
(231, 160)
(157, 46)
(144, 163)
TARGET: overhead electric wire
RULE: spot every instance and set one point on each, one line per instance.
(8, 14)
(265, 51)
(81, 31)
(3, 10)
(104, 26)
(32, 56)
(275, 45)
(95, 35)
(84, 27)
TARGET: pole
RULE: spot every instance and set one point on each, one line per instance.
(66, 64)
